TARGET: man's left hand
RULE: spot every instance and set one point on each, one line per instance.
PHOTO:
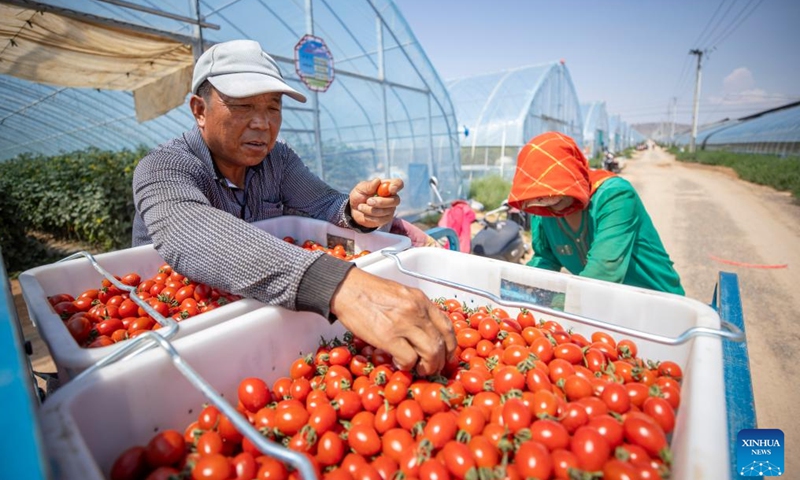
(370, 210)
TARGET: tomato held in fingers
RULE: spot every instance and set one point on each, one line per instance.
(384, 190)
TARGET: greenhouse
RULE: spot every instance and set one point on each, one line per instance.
(595, 128)
(118, 76)
(499, 112)
(775, 131)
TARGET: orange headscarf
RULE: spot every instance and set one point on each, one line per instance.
(552, 164)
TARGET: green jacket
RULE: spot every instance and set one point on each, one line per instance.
(616, 242)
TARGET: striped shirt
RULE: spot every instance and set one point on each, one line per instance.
(200, 224)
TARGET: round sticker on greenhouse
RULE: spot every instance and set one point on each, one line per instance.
(314, 63)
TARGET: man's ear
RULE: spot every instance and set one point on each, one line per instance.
(198, 106)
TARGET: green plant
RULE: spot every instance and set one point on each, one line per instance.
(490, 190)
(79, 196)
(770, 170)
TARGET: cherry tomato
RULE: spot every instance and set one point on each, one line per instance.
(590, 447)
(440, 429)
(364, 440)
(550, 433)
(395, 442)
(409, 413)
(609, 427)
(661, 411)
(330, 449)
(516, 415)
(165, 448)
(209, 443)
(244, 466)
(563, 461)
(130, 465)
(644, 433)
(383, 189)
(471, 420)
(533, 460)
(458, 459)
(254, 394)
(670, 369)
(290, 416)
(212, 467)
(616, 469)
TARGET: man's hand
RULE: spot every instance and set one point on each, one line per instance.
(371, 211)
(395, 318)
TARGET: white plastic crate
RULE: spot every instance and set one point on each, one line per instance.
(136, 397)
(327, 234)
(700, 439)
(76, 276)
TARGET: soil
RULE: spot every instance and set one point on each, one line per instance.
(710, 221)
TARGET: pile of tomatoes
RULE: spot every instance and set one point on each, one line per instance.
(338, 250)
(522, 399)
(103, 316)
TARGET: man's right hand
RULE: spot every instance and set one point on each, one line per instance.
(401, 320)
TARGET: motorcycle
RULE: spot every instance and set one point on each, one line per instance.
(501, 236)
(610, 163)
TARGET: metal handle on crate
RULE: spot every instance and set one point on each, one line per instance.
(296, 459)
(170, 325)
(728, 331)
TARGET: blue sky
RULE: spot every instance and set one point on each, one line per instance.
(632, 54)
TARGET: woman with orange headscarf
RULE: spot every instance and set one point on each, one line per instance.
(590, 222)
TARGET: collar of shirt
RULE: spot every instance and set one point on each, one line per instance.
(198, 146)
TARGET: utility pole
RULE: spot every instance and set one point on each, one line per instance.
(699, 54)
(672, 119)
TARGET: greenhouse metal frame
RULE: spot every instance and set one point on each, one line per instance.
(501, 111)
(385, 114)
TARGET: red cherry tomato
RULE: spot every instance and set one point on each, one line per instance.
(383, 189)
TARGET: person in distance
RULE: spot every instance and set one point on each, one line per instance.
(590, 222)
(196, 196)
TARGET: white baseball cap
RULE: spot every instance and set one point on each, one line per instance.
(240, 68)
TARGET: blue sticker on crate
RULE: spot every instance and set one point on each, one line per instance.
(525, 293)
(759, 452)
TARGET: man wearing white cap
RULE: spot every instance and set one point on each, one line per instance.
(196, 195)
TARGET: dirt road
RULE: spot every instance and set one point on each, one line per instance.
(706, 214)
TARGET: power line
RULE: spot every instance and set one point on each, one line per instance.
(719, 22)
(735, 25)
(705, 29)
